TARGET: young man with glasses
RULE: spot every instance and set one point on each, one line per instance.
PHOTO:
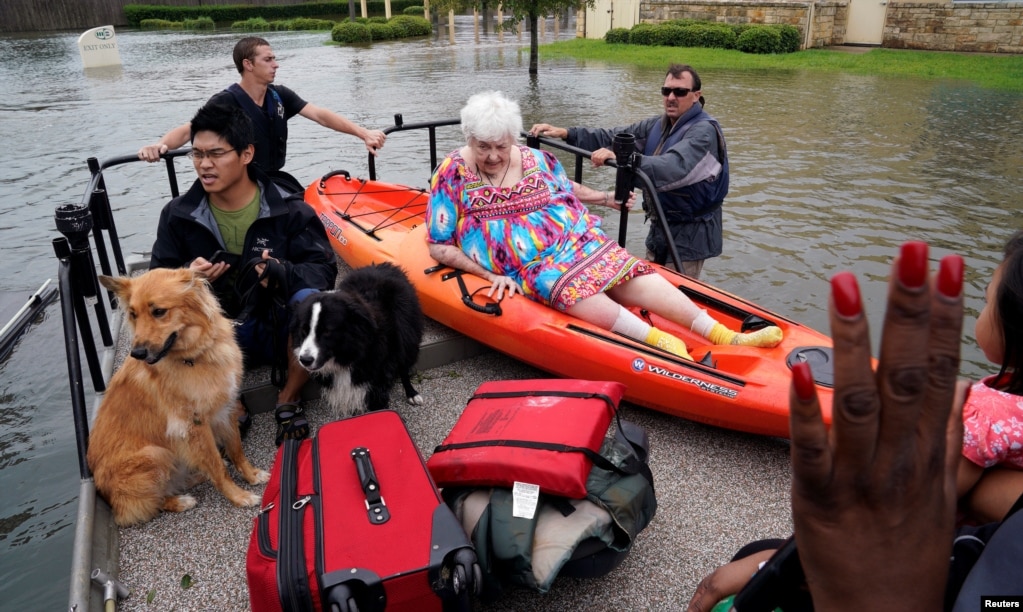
(685, 157)
(269, 107)
(261, 248)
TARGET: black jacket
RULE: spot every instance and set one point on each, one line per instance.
(287, 226)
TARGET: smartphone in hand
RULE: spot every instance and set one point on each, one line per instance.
(227, 257)
(780, 584)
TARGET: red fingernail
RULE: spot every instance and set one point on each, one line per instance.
(802, 381)
(950, 276)
(846, 294)
(913, 264)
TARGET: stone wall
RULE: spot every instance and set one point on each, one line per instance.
(826, 20)
(829, 23)
(993, 27)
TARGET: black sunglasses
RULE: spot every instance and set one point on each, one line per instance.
(678, 91)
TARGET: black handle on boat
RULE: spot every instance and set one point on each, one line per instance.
(490, 309)
(493, 308)
(323, 179)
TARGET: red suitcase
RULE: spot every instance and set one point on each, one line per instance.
(352, 521)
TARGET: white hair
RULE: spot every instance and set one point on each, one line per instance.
(491, 117)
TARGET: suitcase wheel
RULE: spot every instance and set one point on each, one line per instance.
(477, 579)
(459, 580)
(466, 575)
(341, 600)
(463, 591)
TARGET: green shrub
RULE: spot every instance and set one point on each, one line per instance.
(308, 23)
(378, 19)
(617, 36)
(791, 39)
(673, 36)
(739, 28)
(230, 13)
(253, 24)
(413, 10)
(160, 24)
(201, 23)
(406, 26)
(759, 39)
(348, 32)
(381, 31)
(720, 36)
(643, 34)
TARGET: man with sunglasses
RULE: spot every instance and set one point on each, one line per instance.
(269, 107)
(262, 248)
(685, 157)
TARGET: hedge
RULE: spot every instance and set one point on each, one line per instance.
(199, 23)
(746, 37)
(380, 31)
(617, 36)
(400, 26)
(230, 13)
(350, 32)
(406, 26)
(759, 40)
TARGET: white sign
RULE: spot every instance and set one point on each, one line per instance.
(525, 497)
(98, 47)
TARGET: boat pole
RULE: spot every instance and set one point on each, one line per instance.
(624, 148)
(74, 362)
(75, 222)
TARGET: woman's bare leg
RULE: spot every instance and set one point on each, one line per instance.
(602, 311)
(654, 293)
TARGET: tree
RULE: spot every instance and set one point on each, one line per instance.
(517, 10)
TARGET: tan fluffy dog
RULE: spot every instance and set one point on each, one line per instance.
(167, 408)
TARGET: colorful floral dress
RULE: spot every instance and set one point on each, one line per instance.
(536, 232)
(993, 426)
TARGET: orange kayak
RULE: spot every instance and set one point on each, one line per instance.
(734, 387)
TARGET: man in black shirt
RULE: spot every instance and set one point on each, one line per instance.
(268, 106)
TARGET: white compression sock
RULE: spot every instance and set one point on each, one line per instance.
(703, 323)
(630, 325)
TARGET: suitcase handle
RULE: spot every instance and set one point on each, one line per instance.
(376, 508)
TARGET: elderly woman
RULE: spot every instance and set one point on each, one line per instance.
(510, 214)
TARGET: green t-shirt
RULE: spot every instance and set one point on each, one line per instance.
(235, 224)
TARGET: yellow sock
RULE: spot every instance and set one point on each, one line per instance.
(767, 337)
(665, 341)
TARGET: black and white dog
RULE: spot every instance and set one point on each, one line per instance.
(363, 336)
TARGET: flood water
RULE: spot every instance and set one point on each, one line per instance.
(829, 172)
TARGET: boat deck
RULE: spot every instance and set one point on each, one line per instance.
(716, 491)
